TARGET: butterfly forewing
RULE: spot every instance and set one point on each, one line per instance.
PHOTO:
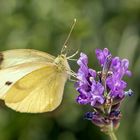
(19, 56)
(9, 76)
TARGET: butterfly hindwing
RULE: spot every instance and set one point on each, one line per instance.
(43, 89)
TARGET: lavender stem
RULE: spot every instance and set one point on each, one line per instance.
(112, 135)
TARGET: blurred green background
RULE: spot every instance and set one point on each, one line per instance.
(44, 25)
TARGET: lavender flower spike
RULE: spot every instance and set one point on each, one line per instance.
(103, 91)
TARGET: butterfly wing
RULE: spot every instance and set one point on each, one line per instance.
(9, 76)
(19, 56)
(43, 89)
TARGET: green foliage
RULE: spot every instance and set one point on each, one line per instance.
(44, 25)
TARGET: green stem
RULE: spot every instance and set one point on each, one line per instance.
(111, 132)
(112, 135)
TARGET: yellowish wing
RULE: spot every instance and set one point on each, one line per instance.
(43, 89)
(19, 56)
(9, 76)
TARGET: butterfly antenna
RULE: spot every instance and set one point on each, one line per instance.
(69, 57)
(66, 41)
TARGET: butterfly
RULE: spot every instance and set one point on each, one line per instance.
(33, 81)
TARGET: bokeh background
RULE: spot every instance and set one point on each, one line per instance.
(44, 25)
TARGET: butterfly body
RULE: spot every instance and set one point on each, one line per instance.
(32, 81)
(62, 64)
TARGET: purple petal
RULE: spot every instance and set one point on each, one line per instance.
(92, 73)
(83, 60)
(120, 67)
(128, 73)
(125, 63)
(101, 55)
(83, 99)
(118, 94)
(97, 100)
(106, 52)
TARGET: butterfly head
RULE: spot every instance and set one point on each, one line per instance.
(62, 63)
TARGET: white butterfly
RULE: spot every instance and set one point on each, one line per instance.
(32, 81)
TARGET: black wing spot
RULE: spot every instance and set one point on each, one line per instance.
(8, 83)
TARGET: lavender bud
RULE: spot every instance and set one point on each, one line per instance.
(129, 93)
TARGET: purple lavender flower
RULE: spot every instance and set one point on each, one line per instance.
(104, 90)
(116, 86)
(84, 97)
(96, 92)
(90, 91)
(120, 67)
(101, 55)
(114, 82)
